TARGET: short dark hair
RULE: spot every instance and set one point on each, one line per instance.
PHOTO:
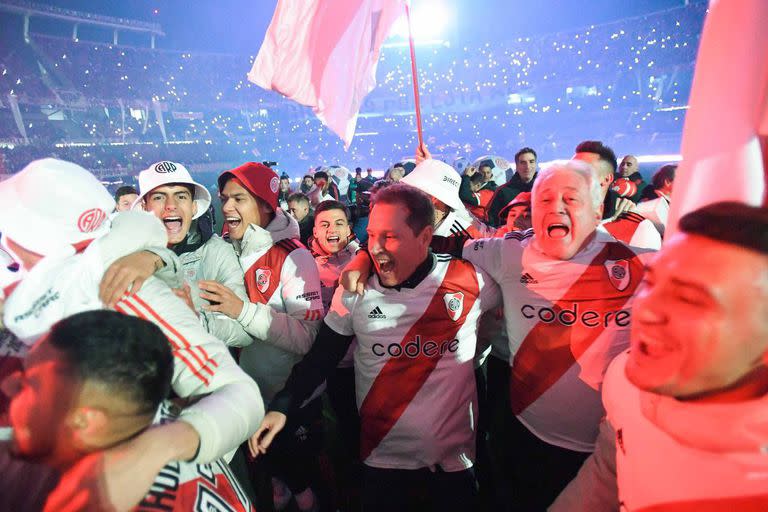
(421, 212)
(636, 177)
(307, 176)
(320, 174)
(665, 173)
(124, 191)
(128, 355)
(605, 153)
(378, 186)
(525, 150)
(486, 163)
(358, 170)
(476, 178)
(298, 197)
(332, 204)
(730, 222)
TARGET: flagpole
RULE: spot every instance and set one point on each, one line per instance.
(414, 74)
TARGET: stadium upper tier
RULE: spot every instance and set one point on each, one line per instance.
(623, 80)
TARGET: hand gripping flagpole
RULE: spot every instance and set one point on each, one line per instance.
(414, 75)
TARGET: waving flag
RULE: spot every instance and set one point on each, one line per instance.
(323, 54)
(725, 154)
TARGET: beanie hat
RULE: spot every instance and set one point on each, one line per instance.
(261, 181)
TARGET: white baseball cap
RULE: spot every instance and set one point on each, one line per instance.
(438, 180)
(51, 205)
(165, 173)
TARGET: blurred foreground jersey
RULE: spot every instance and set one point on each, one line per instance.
(185, 486)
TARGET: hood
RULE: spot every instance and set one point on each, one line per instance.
(712, 427)
(256, 238)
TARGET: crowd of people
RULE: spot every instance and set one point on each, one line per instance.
(416, 344)
(628, 80)
(444, 335)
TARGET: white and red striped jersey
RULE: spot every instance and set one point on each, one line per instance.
(285, 308)
(566, 320)
(634, 230)
(186, 486)
(414, 365)
(63, 285)
(682, 456)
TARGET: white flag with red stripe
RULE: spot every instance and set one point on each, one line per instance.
(724, 139)
(323, 54)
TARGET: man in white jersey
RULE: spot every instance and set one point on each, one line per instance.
(63, 246)
(620, 216)
(416, 329)
(685, 424)
(567, 293)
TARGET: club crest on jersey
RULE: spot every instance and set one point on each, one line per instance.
(618, 273)
(263, 275)
(454, 304)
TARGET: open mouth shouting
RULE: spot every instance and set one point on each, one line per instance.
(233, 222)
(173, 225)
(558, 230)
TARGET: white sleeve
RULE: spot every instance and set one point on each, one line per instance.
(295, 329)
(594, 489)
(485, 254)
(646, 236)
(339, 317)
(229, 273)
(231, 407)
(490, 293)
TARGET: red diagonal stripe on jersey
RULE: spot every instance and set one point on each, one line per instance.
(622, 229)
(741, 503)
(402, 377)
(550, 349)
(272, 260)
(195, 351)
(127, 308)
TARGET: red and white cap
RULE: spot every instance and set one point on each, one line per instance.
(52, 205)
(166, 173)
(437, 179)
(258, 179)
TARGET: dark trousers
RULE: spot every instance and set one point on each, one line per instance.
(529, 473)
(293, 455)
(402, 490)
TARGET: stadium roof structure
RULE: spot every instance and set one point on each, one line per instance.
(30, 9)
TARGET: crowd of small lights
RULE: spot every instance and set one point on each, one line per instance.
(626, 83)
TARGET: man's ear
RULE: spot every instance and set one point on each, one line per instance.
(87, 425)
(194, 208)
(425, 237)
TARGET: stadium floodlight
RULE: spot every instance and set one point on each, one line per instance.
(429, 20)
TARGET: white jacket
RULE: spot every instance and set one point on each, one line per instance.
(216, 261)
(285, 308)
(61, 285)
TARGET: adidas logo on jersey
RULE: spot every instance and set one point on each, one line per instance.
(377, 313)
(528, 279)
